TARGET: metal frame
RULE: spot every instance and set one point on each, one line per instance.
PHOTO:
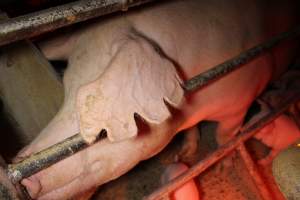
(34, 24)
(246, 133)
(44, 21)
(71, 145)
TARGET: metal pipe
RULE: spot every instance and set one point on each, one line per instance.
(243, 135)
(254, 173)
(43, 159)
(33, 24)
(47, 157)
(234, 63)
(59, 151)
(9, 191)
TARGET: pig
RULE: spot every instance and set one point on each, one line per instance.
(125, 75)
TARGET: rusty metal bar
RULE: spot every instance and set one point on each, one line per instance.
(254, 173)
(33, 24)
(234, 63)
(45, 158)
(243, 135)
(27, 167)
(9, 191)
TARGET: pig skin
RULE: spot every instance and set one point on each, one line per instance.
(191, 36)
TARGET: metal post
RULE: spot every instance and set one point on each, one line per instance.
(254, 173)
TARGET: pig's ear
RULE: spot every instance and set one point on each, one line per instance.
(137, 80)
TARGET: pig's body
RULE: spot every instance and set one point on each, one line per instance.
(195, 35)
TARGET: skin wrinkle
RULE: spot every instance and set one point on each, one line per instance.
(55, 190)
(58, 190)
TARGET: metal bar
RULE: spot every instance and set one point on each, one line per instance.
(9, 191)
(45, 158)
(243, 135)
(254, 173)
(33, 24)
(234, 63)
(26, 168)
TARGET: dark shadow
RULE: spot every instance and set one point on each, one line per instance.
(10, 142)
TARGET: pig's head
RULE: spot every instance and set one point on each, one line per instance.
(138, 79)
(104, 90)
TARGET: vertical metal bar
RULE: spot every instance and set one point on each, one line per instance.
(8, 191)
(253, 171)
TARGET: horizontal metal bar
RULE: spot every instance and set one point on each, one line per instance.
(33, 24)
(243, 135)
(234, 63)
(45, 158)
(253, 171)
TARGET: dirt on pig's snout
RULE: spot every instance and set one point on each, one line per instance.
(136, 62)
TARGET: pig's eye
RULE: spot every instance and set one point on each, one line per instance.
(59, 66)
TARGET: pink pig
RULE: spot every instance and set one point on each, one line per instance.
(136, 63)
